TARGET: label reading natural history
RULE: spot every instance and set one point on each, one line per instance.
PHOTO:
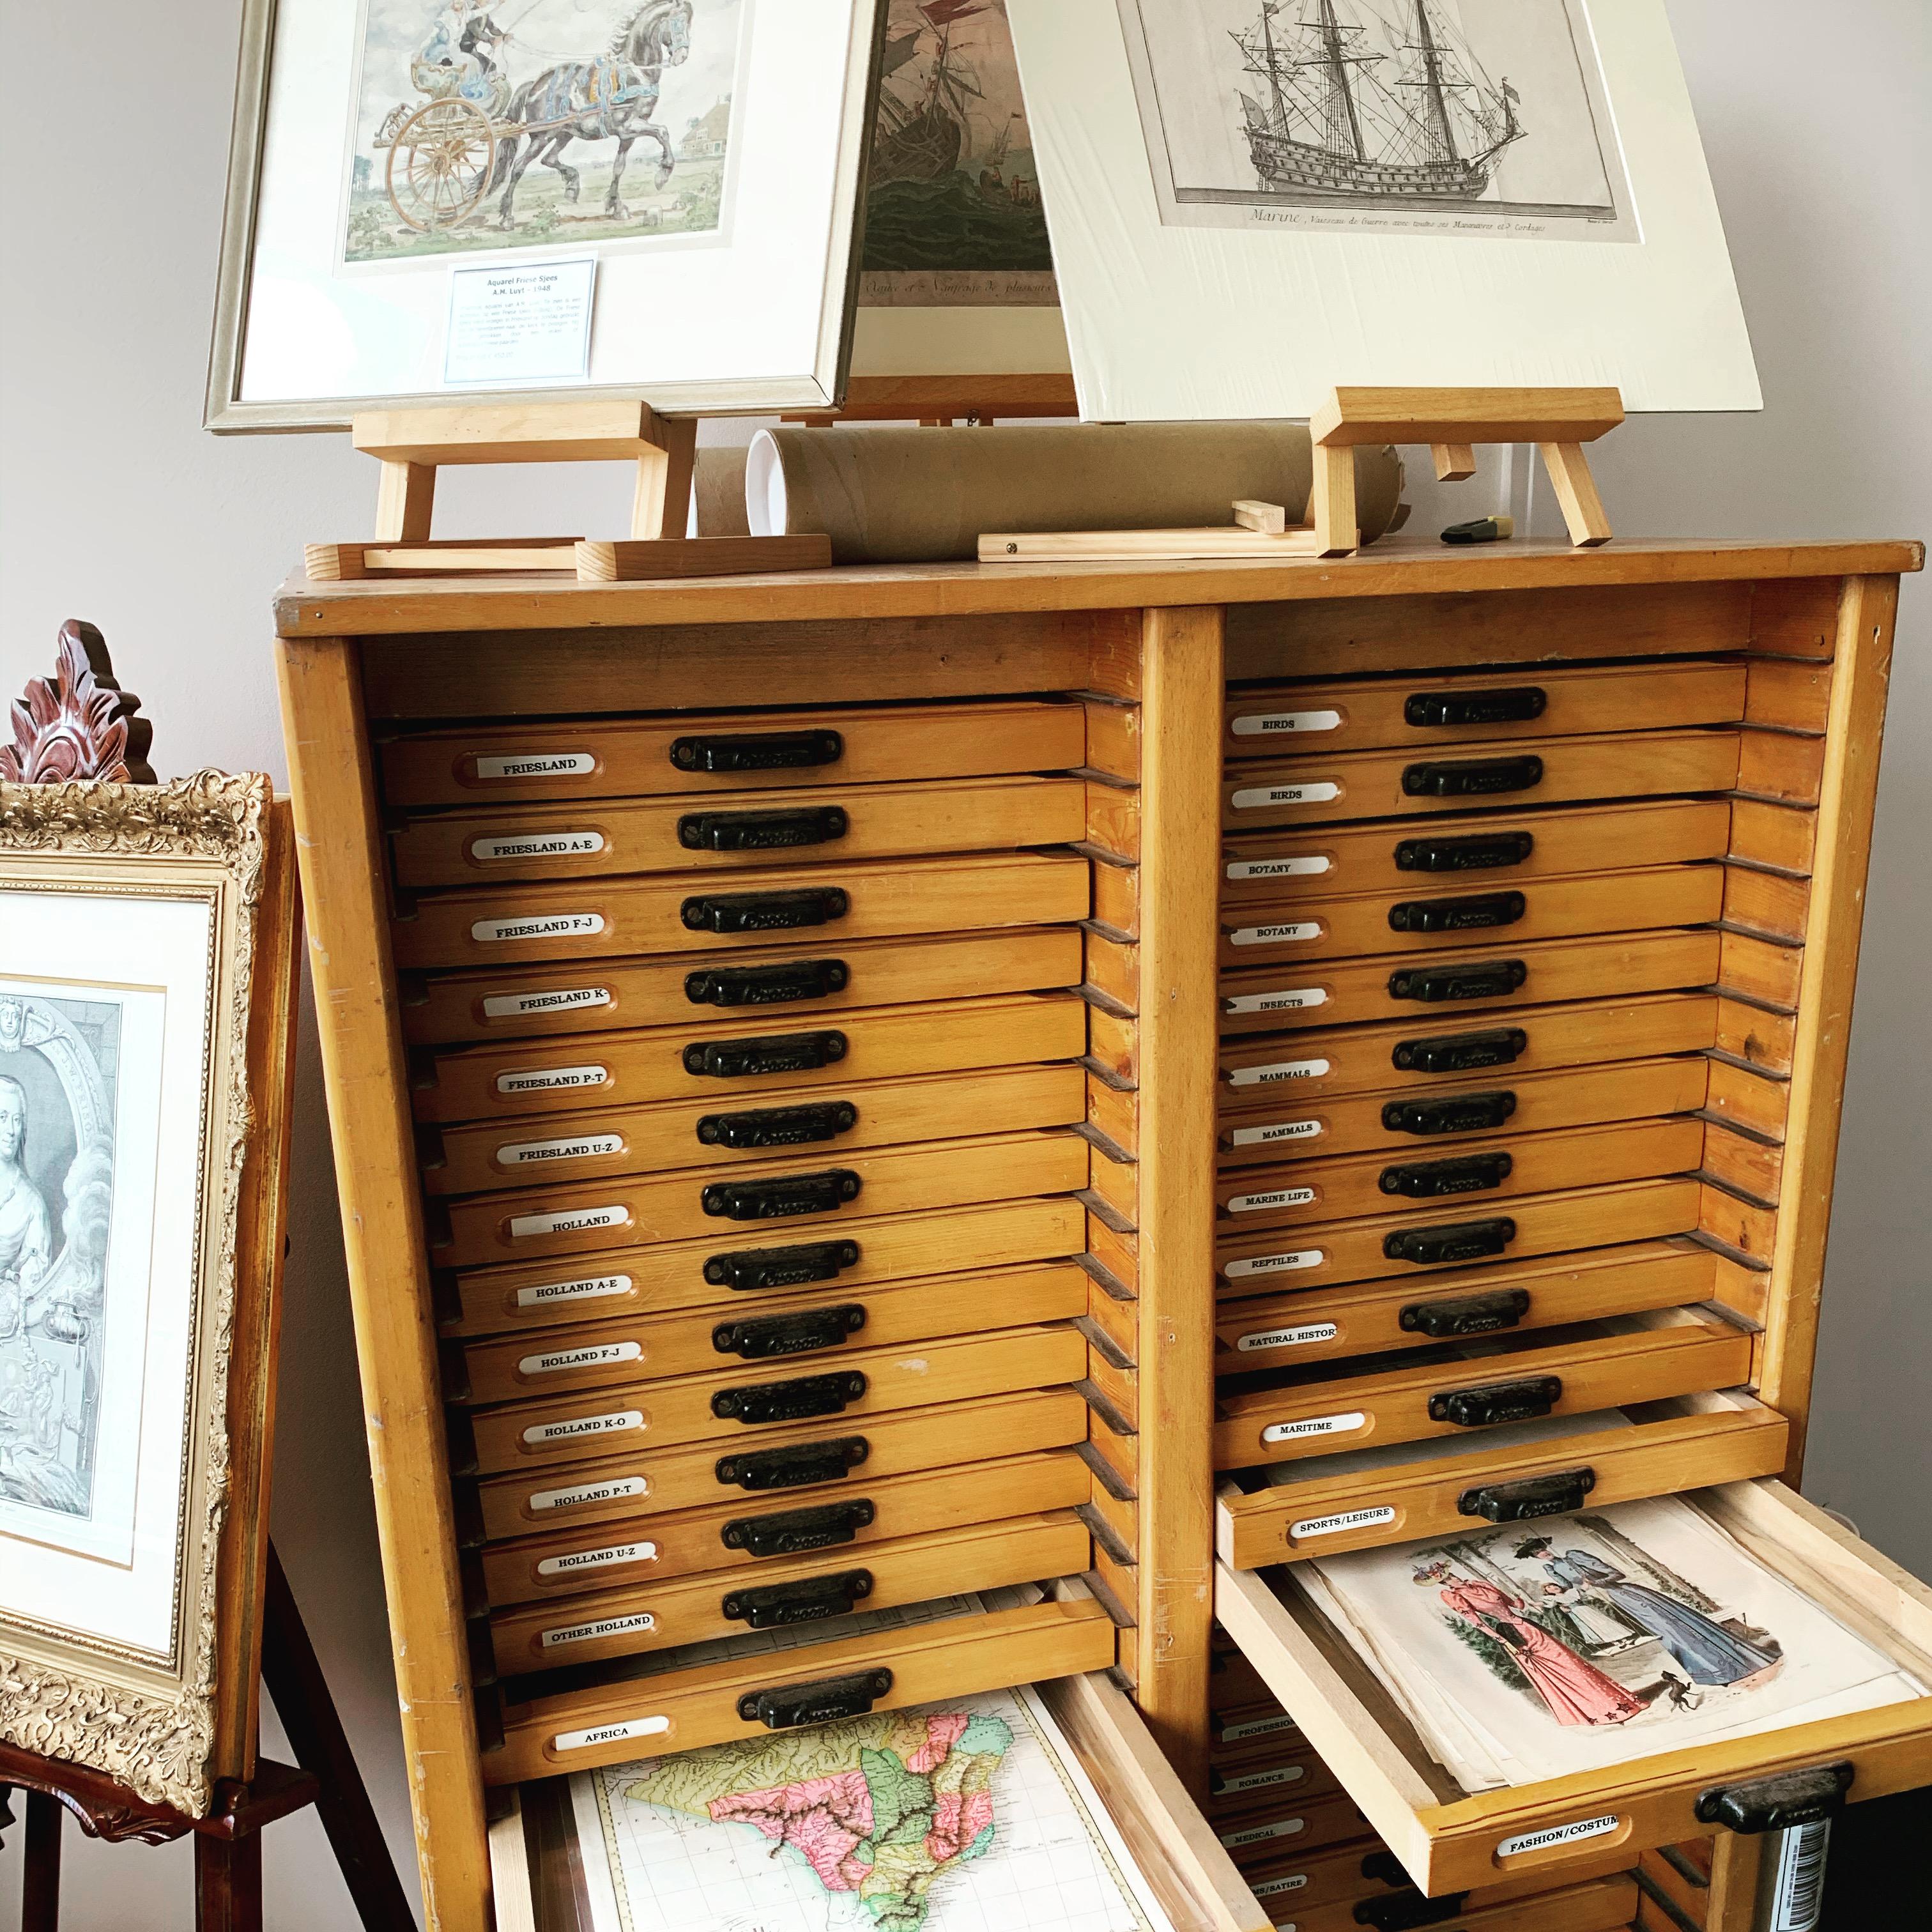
(591, 1288)
(538, 845)
(1300, 1336)
(539, 925)
(537, 765)
(527, 1006)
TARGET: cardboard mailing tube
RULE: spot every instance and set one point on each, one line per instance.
(924, 496)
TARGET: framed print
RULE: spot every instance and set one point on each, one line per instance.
(145, 969)
(702, 156)
(1255, 201)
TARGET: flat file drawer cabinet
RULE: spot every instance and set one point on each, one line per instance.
(876, 1085)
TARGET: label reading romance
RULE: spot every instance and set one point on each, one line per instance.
(1310, 791)
(619, 1489)
(551, 1079)
(525, 1227)
(629, 1626)
(1291, 1000)
(537, 765)
(560, 1360)
(1282, 1197)
(538, 845)
(534, 1153)
(611, 1734)
(1558, 1835)
(1293, 933)
(1287, 1338)
(1315, 1425)
(587, 1289)
(597, 1559)
(1301, 1258)
(523, 1006)
(1276, 724)
(548, 926)
(1280, 1069)
(615, 1424)
(1334, 1525)
(1282, 1130)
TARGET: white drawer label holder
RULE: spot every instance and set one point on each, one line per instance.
(526, 1006)
(1336, 1525)
(538, 845)
(611, 1734)
(540, 926)
(1559, 1835)
(537, 765)
(1345, 1424)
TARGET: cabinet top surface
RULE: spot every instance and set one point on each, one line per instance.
(376, 608)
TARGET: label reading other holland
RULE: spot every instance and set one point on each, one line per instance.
(585, 1290)
(1558, 1835)
(537, 765)
(539, 845)
(1287, 1264)
(597, 1559)
(1287, 1338)
(523, 1006)
(1294, 932)
(1280, 1070)
(543, 925)
(1282, 1130)
(1310, 791)
(1282, 1197)
(585, 1147)
(1315, 1425)
(561, 1359)
(611, 1734)
(629, 1626)
(551, 1079)
(1275, 724)
(524, 1227)
(1259, 1835)
(619, 1489)
(1291, 999)
(1308, 865)
(1334, 1525)
(614, 1423)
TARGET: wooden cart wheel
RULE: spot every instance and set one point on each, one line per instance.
(440, 163)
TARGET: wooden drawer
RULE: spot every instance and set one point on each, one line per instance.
(727, 752)
(1448, 1840)
(1377, 1247)
(1464, 1388)
(1328, 1324)
(638, 1549)
(1256, 1843)
(803, 1463)
(1416, 1053)
(1301, 925)
(1447, 1184)
(730, 1058)
(749, 1408)
(1268, 1781)
(768, 1328)
(1438, 988)
(1531, 842)
(597, 919)
(611, 1713)
(1541, 771)
(824, 824)
(1341, 1876)
(1602, 1905)
(768, 983)
(679, 1133)
(662, 1278)
(1427, 708)
(1292, 1124)
(786, 1592)
(805, 1191)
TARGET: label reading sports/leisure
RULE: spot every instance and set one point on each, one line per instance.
(551, 1079)
(543, 925)
(537, 765)
(616, 1423)
(1345, 1424)
(589, 1288)
(611, 1734)
(560, 1361)
(1558, 1835)
(571, 1221)
(1310, 791)
(1281, 1197)
(1287, 1263)
(1291, 999)
(535, 1153)
(1287, 1338)
(617, 1489)
(525, 1006)
(1280, 724)
(538, 845)
(1262, 1780)
(1306, 865)
(630, 1626)
(1295, 933)
(1278, 1070)
(1259, 1835)
(1335, 1526)
(597, 1559)
(1280, 1130)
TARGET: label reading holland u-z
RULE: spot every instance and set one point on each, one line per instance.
(538, 845)
(539, 925)
(597, 1559)
(1309, 791)
(526, 1005)
(537, 765)
(614, 1489)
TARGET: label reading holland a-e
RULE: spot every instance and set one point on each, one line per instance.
(1280, 1070)
(538, 845)
(615, 1490)
(537, 765)
(630, 1626)
(1309, 791)
(541, 925)
(526, 1006)
(551, 1079)
(611, 1734)
(614, 1423)
(1335, 1526)
(1558, 1835)
(589, 1288)
(1299, 1337)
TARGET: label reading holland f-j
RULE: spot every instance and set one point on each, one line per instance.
(1303, 865)
(611, 1734)
(1315, 1425)
(614, 1423)
(1287, 1264)
(1281, 1197)
(1289, 1000)
(551, 1079)
(1334, 1525)
(535, 1153)
(537, 765)
(588, 1288)
(541, 925)
(630, 1626)
(538, 845)
(616, 1489)
(1281, 1130)
(1280, 724)
(1294, 932)
(1559, 1835)
(1309, 791)
(526, 1006)
(597, 1559)
(570, 1221)
(1298, 1337)
(1280, 1069)
(560, 1361)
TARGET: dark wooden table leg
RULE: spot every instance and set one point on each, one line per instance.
(40, 1883)
(302, 1701)
(228, 1883)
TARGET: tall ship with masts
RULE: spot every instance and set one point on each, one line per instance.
(1357, 103)
(925, 138)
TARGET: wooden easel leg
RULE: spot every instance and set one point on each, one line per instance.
(662, 505)
(405, 503)
(228, 1883)
(1332, 508)
(40, 1883)
(1455, 462)
(302, 1698)
(1576, 493)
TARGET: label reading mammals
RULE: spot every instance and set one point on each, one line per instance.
(534, 1153)
(561, 1359)
(615, 1424)
(1287, 1264)
(590, 1287)
(1291, 999)
(1559, 1835)
(597, 1559)
(1293, 933)
(537, 765)
(1315, 1425)
(525, 1227)
(551, 1079)
(630, 1626)
(1259, 1835)
(1308, 866)
(1310, 791)
(1280, 724)
(525, 1006)
(1262, 1780)
(548, 926)
(611, 1734)
(538, 845)
(1278, 1070)
(619, 1489)
(1287, 1338)
(1281, 1197)
(1335, 1526)
(1281, 1130)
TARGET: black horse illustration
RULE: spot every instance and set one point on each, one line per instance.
(610, 98)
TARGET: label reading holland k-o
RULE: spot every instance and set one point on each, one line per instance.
(1298, 1337)
(1309, 791)
(1280, 724)
(1559, 1835)
(614, 1423)
(570, 1221)
(611, 1734)
(538, 845)
(1281, 1197)
(524, 1006)
(630, 1626)
(1315, 1425)
(551, 1079)
(534, 1153)
(588, 1288)
(559, 1361)
(537, 765)
(540, 926)
(1334, 1525)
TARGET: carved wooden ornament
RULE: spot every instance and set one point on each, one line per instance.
(78, 724)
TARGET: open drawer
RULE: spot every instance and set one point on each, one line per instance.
(536, 1870)
(1449, 1840)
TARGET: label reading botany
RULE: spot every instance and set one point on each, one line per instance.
(1293, 933)
(524, 1006)
(587, 1289)
(537, 765)
(1309, 866)
(538, 845)
(543, 926)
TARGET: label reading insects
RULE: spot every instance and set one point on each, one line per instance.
(538, 845)
(1281, 1130)
(615, 1424)
(1281, 1197)
(588, 1288)
(630, 1626)
(537, 765)
(1287, 1263)
(1315, 1425)
(1278, 1070)
(1280, 724)
(1307, 866)
(1335, 1526)
(1310, 791)
(1299, 1337)
(597, 1559)
(525, 1227)
(525, 1006)
(551, 1079)
(560, 1360)
(1295, 932)
(1558, 1835)
(617, 1489)
(611, 1734)
(1291, 999)
(547, 925)
(534, 1153)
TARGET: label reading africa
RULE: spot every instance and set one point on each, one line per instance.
(614, 1423)
(1334, 1525)
(560, 1360)
(542, 926)
(611, 1734)
(1259, 1835)
(524, 1006)
(1278, 1070)
(551, 1079)
(1281, 1197)
(1287, 1264)
(573, 1221)
(1287, 1338)
(1558, 1835)
(1274, 724)
(597, 1559)
(619, 1489)
(1293, 933)
(1291, 999)
(1307, 866)
(1310, 791)
(533, 1154)
(1344, 1424)
(1262, 1780)
(629, 1626)
(1281, 1130)
(537, 765)
(590, 1287)
(538, 845)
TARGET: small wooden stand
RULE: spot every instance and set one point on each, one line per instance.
(412, 445)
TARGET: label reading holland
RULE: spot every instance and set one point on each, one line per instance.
(611, 1734)
(1261, 1780)
(1315, 1425)
(1310, 791)
(1280, 1069)
(614, 1423)
(617, 1489)
(585, 1290)
(1290, 999)
(538, 845)
(542, 926)
(1282, 1130)
(1287, 1338)
(1287, 1264)
(1334, 1525)
(1558, 1835)
(597, 1559)
(563, 1359)
(570, 1221)
(629, 1626)
(1281, 1197)
(584, 1146)
(551, 1079)
(1259, 1835)
(1306, 865)
(1274, 724)
(1293, 933)
(523, 1006)
(537, 765)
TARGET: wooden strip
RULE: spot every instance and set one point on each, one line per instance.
(648, 559)
(1744, 1290)
(1795, 616)
(1114, 819)
(1755, 1102)
(340, 841)
(1113, 1045)
(1760, 971)
(1114, 740)
(1456, 416)
(1744, 1226)
(1789, 696)
(1779, 835)
(1779, 765)
(1772, 903)
(1117, 895)
(1764, 1038)
(1751, 1166)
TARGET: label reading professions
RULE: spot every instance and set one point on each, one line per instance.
(1315, 1425)
(616, 1489)
(597, 1559)
(1281, 1197)
(526, 1005)
(1280, 724)
(611, 1734)
(538, 845)
(1278, 1070)
(1287, 1338)
(630, 1626)
(1255, 1727)
(589, 1288)
(571, 1221)
(1293, 933)
(539, 925)
(1287, 1263)
(616, 1423)
(1309, 791)
(551, 1079)
(535, 1153)
(1558, 1835)
(1335, 1526)
(1306, 865)
(537, 765)
(560, 1361)
(1289, 1000)
(1280, 1130)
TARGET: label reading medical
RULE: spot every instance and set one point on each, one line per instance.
(1310, 791)
(1307, 866)
(1287, 1338)
(619, 1489)
(547, 925)
(525, 1006)
(1335, 1526)
(1291, 999)
(597, 1559)
(1281, 1130)
(551, 1079)
(1295, 932)
(611, 1734)
(1315, 1425)
(1279, 724)
(537, 765)
(1287, 1264)
(562, 1359)
(588, 1289)
(573, 1221)
(1558, 1835)
(1280, 1070)
(538, 845)
(1280, 1197)
(630, 1626)
(534, 1153)
(614, 1423)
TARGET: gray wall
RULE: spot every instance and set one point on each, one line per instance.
(114, 506)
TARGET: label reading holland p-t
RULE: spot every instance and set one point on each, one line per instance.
(589, 1288)
(1309, 791)
(1298, 1337)
(613, 1490)
(1559, 1835)
(611, 1734)
(1335, 1526)
(615, 1422)
(551, 1079)
(537, 765)
(538, 845)
(1315, 1425)
(539, 925)
(526, 1006)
